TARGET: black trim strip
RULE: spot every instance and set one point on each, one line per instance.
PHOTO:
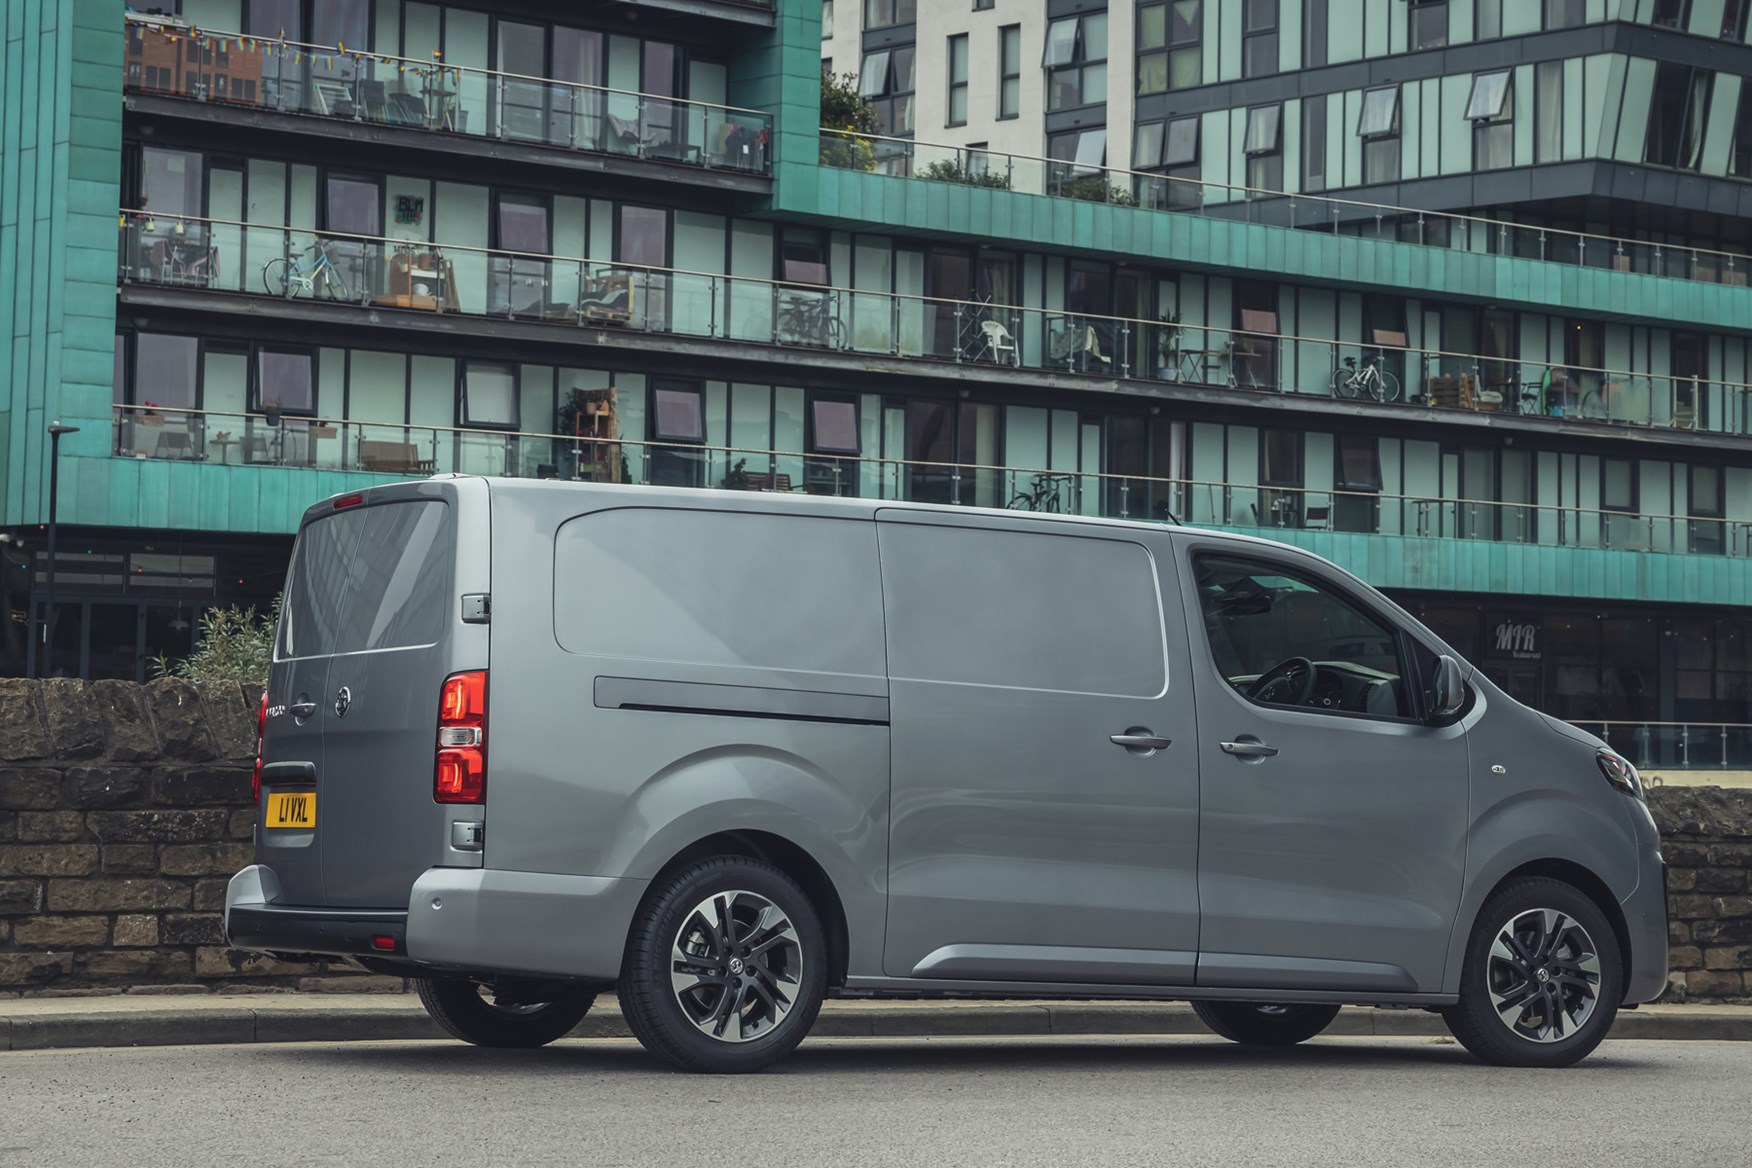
(740, 701)
(649, 709)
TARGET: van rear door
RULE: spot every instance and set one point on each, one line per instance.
(370, 628)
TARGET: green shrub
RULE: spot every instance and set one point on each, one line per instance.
(236, 645)
(1094, 188)
(846, 121)
(949, 170)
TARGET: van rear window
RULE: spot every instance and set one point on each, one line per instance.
(369, 578)
(781, 592)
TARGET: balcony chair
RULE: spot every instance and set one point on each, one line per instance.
(606, 298)
(1000, 346)
(404, 109)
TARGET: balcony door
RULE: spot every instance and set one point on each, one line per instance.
(521, 271)
(520, 99)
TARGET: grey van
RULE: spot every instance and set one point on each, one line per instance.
(731, 753)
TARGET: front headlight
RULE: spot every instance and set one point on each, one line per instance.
(1619, 772)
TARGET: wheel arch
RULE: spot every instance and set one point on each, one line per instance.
(795, 862)
(1585, 881)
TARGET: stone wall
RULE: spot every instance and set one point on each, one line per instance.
(124, 809)
(1706, 835)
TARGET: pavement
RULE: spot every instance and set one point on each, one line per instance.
(1055, 1101)
(184, 1019)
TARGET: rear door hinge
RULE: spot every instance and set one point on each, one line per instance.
(477, 608)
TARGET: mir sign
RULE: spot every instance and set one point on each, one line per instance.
(1516, 639)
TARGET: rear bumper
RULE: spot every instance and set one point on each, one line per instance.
(458, 919)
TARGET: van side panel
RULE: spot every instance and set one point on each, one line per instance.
(665, 673)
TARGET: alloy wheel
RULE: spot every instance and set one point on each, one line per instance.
(736, 965)
(1543, 975)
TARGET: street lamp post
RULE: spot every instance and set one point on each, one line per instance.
(56, 429)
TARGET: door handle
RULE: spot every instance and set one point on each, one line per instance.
(1249, 748)
(1141, 740)
(302, 709)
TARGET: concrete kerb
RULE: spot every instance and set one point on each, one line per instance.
(38, 1024)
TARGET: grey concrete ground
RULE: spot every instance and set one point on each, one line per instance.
(1065, 1102)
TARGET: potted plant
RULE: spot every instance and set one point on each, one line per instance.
(271, 410)
(1168, 345)
(736, 478)
(150, 415)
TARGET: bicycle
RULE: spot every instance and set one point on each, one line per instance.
(1370, 381)
(1043, 497)
(805, 319)
(279, 275)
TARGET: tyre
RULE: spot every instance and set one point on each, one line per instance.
(835, 333)
(465, 1011)
(1387, 387)
(1265, 1023)
(274, 277)
(335, 287)
(1343, 383)
(725, 967)
(1542, 977)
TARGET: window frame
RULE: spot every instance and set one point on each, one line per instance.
(812, 440)
(1404, 642)
(1415, 8)
(307, 352)
(1252, 36)
(957, 86)
(1492, 121)
(1080, 63)
(1009, 38)
(464, 408)
(1265, 164)
(1632, 479)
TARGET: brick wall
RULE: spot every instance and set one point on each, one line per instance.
(124, 809)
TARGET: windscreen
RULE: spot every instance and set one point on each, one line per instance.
(368, 578)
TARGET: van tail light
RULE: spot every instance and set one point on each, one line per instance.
(461, 773)
(255, 778)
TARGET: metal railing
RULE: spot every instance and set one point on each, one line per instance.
(1678, 745)
(1035, 175)
(351, 444)
(164, 56)
(373, 272)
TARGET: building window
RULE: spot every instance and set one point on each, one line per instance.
(1169, 151)
(958, 80)
(489, 396)
(1264, 148)
(1677, 115)
(882, 13)
(1315, 34)
(1259, 38)
(1617, 484)
(826, 19)
(284, 379)
(1562, 14)
(165, 371)
(1740, 164)
(1314, 144)
(833, 426)
(978, 160)
(1076, 154)
(1672, 13)
(1706, 510)
(1170, 55)
(1358, 474)
(1548, 103)
(1010, 71)
(886, 80)
(984, 5)
(171, 181)
(1076, 61)
(1379, 129)
(1491, 110)
(1429, 24)
(678, 418)
(1734, 20)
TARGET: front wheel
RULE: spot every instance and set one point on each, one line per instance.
(1542, 977)
(725, 968)
(274, 277)
(462, 1008)
(1265, 1023)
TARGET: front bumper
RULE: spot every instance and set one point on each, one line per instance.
(1645, 914)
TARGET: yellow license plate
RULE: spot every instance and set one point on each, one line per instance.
(295, 809)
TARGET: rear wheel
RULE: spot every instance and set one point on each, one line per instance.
(1343, 383)
(1265, 1023)
(1542, 977)
(477, 1014)
(725, 968)
(1388, 387)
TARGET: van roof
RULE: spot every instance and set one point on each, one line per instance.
(809, 504)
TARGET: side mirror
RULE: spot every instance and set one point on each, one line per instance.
(1447, 688)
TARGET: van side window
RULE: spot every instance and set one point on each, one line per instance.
(718, 588)
(1022, 610)
(1283, 639)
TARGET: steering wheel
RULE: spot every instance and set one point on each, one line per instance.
(1283, 674)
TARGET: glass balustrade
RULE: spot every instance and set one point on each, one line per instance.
(301, 265)
(1678, 745)
(906, 157)
(432, 95)
(404, 450)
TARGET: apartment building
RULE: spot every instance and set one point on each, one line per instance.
(1453, 293)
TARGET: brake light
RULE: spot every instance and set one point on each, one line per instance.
(255, 778)
(348, 501)
(461, 773)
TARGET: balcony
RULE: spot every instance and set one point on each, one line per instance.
(1087, 180)
(402, 450)
(389, 282)
(430, 97)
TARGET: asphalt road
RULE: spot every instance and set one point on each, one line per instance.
(1064, 1102)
